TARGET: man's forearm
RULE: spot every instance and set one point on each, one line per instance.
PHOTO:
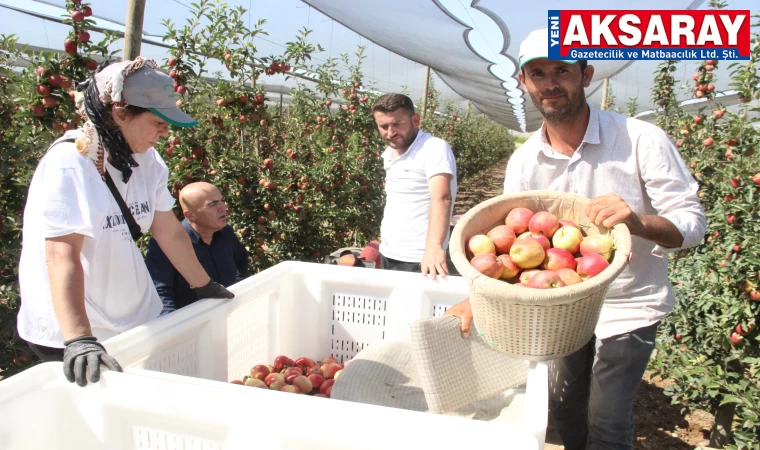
(659, 230)
(178, 248)
(66, 278)
(439, 221)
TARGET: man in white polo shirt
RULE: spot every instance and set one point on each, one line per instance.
(634, 175)
(420, 188)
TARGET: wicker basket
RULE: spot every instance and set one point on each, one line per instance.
(535, 324)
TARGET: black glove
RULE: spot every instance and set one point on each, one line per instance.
(213, 290)
(85, 352)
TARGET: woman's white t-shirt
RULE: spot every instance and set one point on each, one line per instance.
(66, 196)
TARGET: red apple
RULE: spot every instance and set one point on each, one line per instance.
(597, 243)
(569, 276)
(518, 219)
(488, 264)
(718, 113)
(558, 258)
(277, 385)
(527, 253)
(259, 371)
(591, 265)
(736, 338)
(543, 223)
(255, 382)
(502, 236)
(282, 361)
(49, 101)
(87, 11)
(754, 296)
(43, 90)
(741, 330)
(38, 110)
(568, 238)
(291, 389)
(274, 377)
(545, 279)
(756, 179)
(326, 386)
(329, 369)
(480, 244)
(305, 363)
(329, 360)
(77, 16)
(303, 384)
(237, 382)
(541, 239)
(316, 380)
(568, 223)
(526, 275)
(70, 46)
(511, 269)
(735, 182)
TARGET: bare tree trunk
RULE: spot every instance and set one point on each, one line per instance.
(720, 436)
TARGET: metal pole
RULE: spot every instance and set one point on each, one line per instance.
(133, 28)
(605, 87)
(280, 104)
(425, 90)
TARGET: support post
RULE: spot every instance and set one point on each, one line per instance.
(425, 91)
(133, 28)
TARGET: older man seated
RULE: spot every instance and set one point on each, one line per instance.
(218, 249)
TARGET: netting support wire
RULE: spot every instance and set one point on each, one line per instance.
(242, 147)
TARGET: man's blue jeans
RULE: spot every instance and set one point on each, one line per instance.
(591, 391)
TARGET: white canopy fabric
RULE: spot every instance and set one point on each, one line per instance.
(472, 45)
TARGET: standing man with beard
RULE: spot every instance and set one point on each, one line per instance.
(218, 249)
(420, 188)
(634, 175)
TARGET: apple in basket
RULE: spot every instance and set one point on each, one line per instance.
(543, 223)
(518, 219)
(527, 253)
(568, 238)
(488, 264)
(545, 279)
(526, 275)
(569, 276)
(502, 236)
(511, 270)
(597, 243)
(591, 265)
(558, 258)
(480, 244)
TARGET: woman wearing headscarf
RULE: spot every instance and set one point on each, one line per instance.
(96, 190)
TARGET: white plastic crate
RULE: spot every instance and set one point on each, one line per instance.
(148, 410)
(303, 309)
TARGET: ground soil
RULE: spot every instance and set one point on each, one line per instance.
(659, 425)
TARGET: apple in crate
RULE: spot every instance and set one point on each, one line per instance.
(480, 244)
(325, 386)
(543, 223)
(558, 258)
(305, 363)
(316, 380)
(237, 382)
(488, 264)
(511, 269)
(259, 371)
(329, 370)
(292, 373)
(591, 265)
(503, 237)
(569, 276)
(518, 219)
(526, 275)
(291, 389)
(277, 385)
(568, 238)
(597, 243)
(303, 384)
(316, 370)
(527, 253)
(329, 359)
(545, 279)
(281, 362)
(274, 377)
(255, 382)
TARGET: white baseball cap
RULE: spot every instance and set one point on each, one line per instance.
(536, 46)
